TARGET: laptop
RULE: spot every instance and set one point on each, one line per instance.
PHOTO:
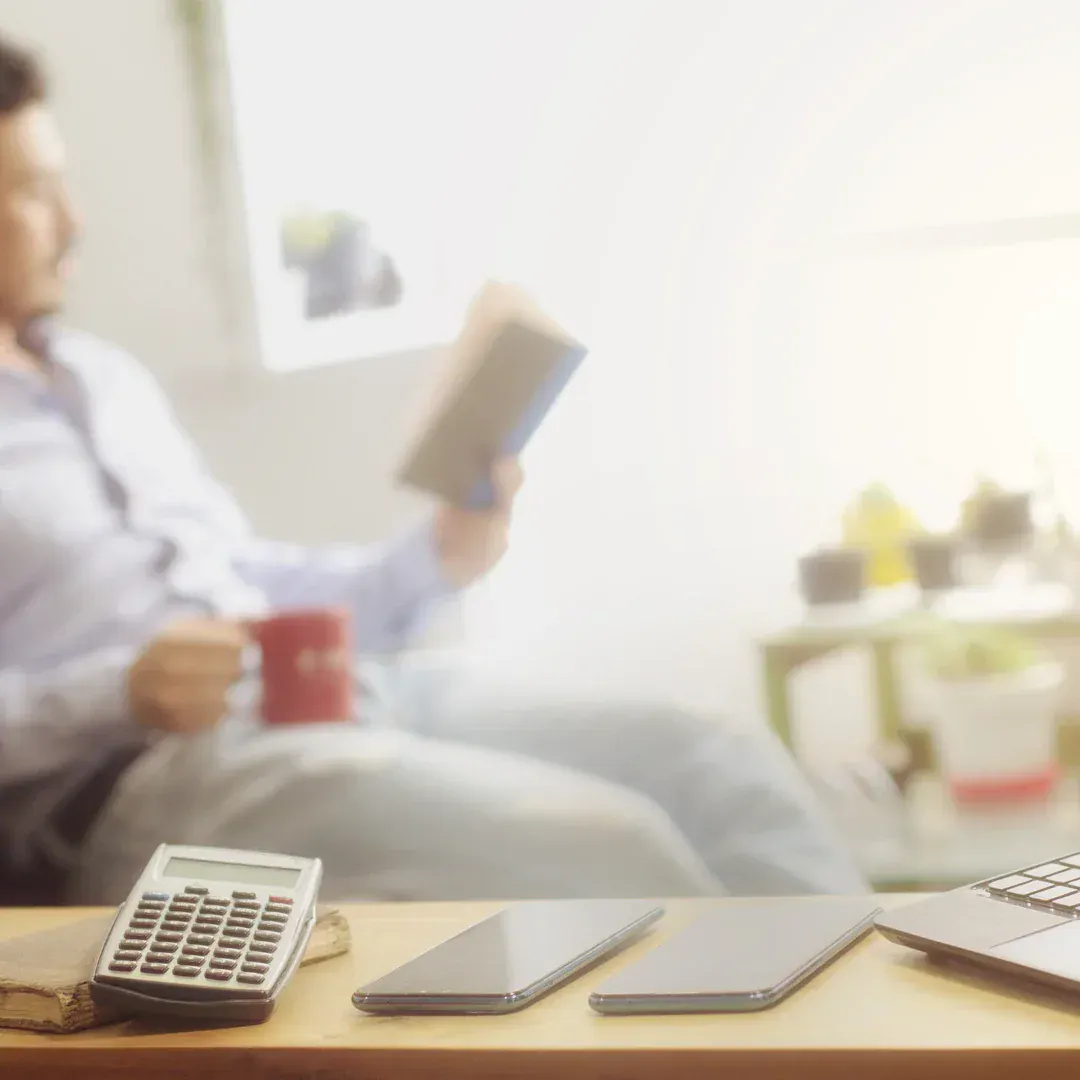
(1025, 923)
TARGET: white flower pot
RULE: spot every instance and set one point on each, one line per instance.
(997, 734)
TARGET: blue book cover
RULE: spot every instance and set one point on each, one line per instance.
(493, 407)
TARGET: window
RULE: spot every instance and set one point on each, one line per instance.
(395, 154)
(947, 327)
(665, 171)
(363, 240)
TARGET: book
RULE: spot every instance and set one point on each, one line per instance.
(45, 976)
(504, 372)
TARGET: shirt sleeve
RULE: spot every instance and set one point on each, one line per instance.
(391, 590)
(54, 719)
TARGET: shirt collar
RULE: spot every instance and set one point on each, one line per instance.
(39, 337)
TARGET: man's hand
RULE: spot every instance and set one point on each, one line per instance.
(181, 680)
(471, 542)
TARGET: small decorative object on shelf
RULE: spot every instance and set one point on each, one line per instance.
(996, 728)
(832, 576)
(995, 520)
(879, 524)
(933, 561)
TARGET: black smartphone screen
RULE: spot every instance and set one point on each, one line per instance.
(743, 955)
(507, 960)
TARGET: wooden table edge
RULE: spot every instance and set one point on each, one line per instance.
(55, 1062)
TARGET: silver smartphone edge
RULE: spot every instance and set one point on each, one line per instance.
(464, 1004)
(748, 1001)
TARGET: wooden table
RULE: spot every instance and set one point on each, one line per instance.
(783, 653)
(879, 1011)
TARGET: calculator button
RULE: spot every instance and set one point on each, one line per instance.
(200, 939)
(132, 946)
(240, 895)
(137, 935)
(261, 947)
(126, 954)
(223, 901)
(182, 909)
(240, 924)
(273, 917)
(122, 965)
(267, 935)
(226, 953)
(279, 909)
(206, 926)
(156, 896)
(219, 974)
(169, 935)
(258, 968)
(186, 970)
(154, 969)
(195, 950)
(196, 890)
(246, 905)
(142, 924)
(174, 926)
(281, 900)
(250, 977)
(164, 946)
(158, 905)
(221, 964)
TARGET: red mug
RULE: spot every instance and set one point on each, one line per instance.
(307, 663)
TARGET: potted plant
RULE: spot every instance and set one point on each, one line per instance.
(997, 694)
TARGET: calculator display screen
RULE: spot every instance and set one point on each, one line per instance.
(243, 873)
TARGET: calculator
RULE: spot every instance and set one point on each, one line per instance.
(208, 932)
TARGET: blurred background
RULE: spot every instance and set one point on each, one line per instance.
(826, 254)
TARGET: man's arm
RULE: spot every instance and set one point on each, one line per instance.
(54, 719)
(390, 590)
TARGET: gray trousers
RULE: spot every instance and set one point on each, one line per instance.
(485, 797)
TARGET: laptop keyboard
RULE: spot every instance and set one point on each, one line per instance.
(1054, 885)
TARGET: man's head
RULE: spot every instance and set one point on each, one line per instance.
(37, 226)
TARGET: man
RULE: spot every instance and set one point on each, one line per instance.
(126, 577)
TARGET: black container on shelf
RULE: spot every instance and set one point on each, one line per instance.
(1001, 522)
(933, 562)
(832, 576)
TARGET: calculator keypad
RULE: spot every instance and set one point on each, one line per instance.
(199, 936)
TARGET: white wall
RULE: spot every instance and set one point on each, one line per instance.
(308, 455)
(733, 447)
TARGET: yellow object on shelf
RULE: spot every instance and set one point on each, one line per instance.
(881, 526)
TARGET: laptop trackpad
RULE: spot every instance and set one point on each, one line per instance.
(1056, 951)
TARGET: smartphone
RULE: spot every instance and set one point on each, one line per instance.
(742, 956)
(509, 960)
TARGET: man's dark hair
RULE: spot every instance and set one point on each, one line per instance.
(22, 80)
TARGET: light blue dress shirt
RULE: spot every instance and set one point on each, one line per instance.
(111, 528)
